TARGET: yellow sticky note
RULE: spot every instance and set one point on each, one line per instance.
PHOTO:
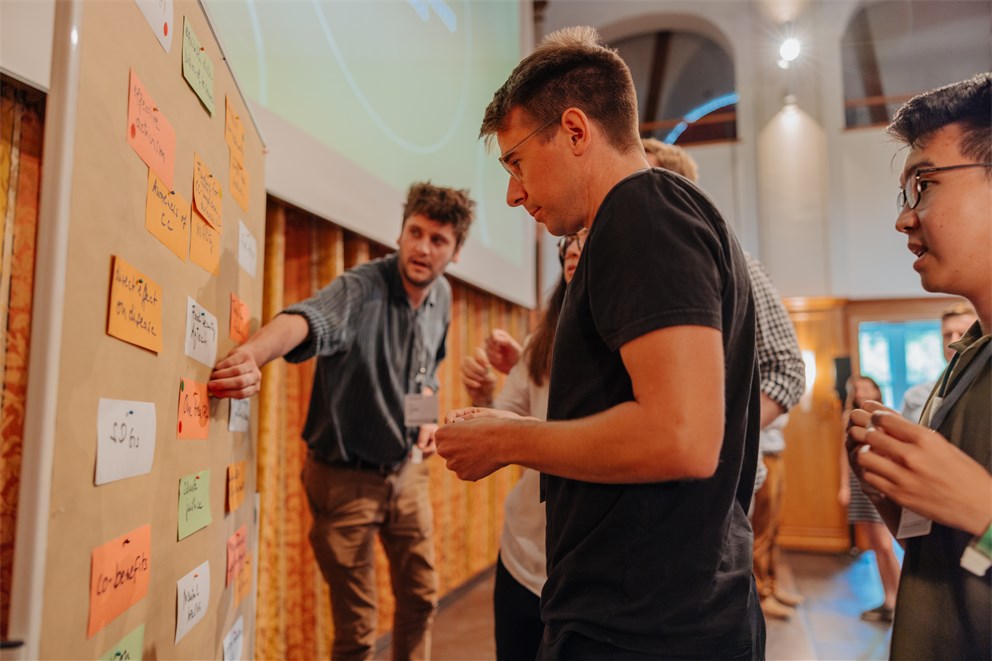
(148, 131)
(242, 586)
(198, 68)
(239, 182)
(194, 411)
(234, 131)
(135, 311)
(167, 216)
(119, 576)
(204, 245)
(194, 503)
(235, 485)
(207, 193)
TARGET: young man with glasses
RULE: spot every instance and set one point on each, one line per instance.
(649, 459)
(932, 482)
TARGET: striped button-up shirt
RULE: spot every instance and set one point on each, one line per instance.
(372, 349)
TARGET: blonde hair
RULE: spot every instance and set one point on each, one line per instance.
(672, 158)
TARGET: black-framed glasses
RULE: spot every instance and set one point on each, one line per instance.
(511, 168)
(565, 242)
(911, 191)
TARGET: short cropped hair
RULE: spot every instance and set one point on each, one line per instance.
(958, 310)
(672, 158)
(570, 68)
(449, 206)
(967, 103)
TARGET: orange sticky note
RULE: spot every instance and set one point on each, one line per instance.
(207, 193)
(239, 319)
(167, 216)
(235, 485)
(149, 133)
(234, 131)
(204, 245)
(119, 576)
(135, 310)
(194, 411)
(242, 586)
(237, 549)
(239, 182)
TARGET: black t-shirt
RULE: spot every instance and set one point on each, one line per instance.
(662, 568)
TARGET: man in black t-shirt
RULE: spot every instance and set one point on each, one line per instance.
(650, 454)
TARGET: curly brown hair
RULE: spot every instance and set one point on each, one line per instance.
(448, 206)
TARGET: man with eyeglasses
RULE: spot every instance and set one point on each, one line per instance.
(649, 457)
(932, 482)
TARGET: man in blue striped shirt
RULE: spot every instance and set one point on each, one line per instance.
(378, 333)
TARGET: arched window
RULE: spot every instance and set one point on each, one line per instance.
(893, 50)
(685, 86)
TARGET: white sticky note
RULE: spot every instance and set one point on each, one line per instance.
(125, 444)
(159, 14)
(192, 599)
(240, 415)
(234, 640)
(247, 249)
(201, 333)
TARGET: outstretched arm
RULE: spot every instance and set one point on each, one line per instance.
(239, 374)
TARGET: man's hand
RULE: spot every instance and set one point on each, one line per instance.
(478, 377)
(425, 439)
(469, 440)
(502, 351)
(921, 470)
(237, 376)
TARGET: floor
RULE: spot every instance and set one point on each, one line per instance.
(837, 589)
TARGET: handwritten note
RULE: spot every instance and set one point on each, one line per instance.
(204, 245)
(240, 416)
(167, 216)
(235, 485)
(240, 183)
(194, 503)
(119, 576)
(149, 133)
(234, 130)
(240, 317)
(198, 68)
(242, 586)
(201, 333)
(159, 15)
(135, 310)
(234, 640)
(192, 599)
(247, 249)
(194, 411)
(128, 647)
(125, 444)
(237, 550)
(207, 193)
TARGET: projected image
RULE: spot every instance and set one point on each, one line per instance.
(398, 87)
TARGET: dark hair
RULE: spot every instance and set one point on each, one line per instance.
(967, 103)
(449, 206)
(541, 345)
(849, 402)
(570, 69)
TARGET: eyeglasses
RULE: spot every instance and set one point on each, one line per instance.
(565, 242)
(512, 168)
(911, 192)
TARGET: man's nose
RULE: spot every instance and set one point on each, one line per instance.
(515, 193)
(907, 220)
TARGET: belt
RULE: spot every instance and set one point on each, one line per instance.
(357, 463)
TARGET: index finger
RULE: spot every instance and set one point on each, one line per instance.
(898, 427)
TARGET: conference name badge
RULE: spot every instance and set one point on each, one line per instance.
(419, 409)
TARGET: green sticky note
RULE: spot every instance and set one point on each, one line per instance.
(129, 647)
(194, 503)
(198, 68)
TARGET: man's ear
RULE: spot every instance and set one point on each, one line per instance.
(576, 125)
(454, 258)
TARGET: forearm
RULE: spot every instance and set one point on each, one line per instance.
(621, 445)
(770, 409)
(277, 338)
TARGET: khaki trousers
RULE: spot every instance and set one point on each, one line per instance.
(350, 507)
(765, 522)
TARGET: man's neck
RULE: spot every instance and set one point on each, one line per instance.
(416, 295)
(613, 168)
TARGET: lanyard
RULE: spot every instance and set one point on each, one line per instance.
(948, 399)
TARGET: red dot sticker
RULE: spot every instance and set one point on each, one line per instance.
(134, 131)
(165, 29)
(180, 426)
